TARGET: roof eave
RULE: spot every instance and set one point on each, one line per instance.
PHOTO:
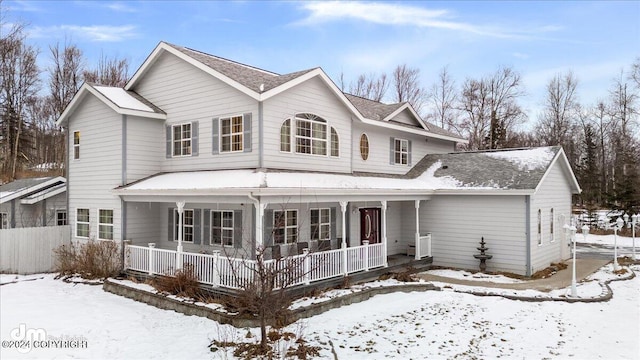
(413, 131)
(575, 186)
(472, 191)
(43, 196)
(32, 189)
(404, 107)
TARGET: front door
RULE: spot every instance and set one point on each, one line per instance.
(370, 225)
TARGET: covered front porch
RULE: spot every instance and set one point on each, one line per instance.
(224, 234)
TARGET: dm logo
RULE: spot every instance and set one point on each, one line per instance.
(24, 338)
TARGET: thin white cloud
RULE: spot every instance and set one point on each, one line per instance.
(94, 33)
(520, 55)
(25, 6)
(120, 7)
(399, 15)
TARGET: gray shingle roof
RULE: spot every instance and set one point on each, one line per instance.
(23, 184)
(507, 169)
(372, 109)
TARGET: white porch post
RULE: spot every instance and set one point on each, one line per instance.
(180, 205)
(343, 208)
(417, 230)
(260, 207)
(384, 232)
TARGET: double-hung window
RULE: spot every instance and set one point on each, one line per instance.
(181, 139)
(401, 151)
(320, 224)
(187, 225)
(105, 224)
(285, 226)
(82, 223)
(311, 136)
(76, 144)
(231, 134)
(222, 228)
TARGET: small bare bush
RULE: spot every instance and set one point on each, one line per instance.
(92, 260)
(184, 283)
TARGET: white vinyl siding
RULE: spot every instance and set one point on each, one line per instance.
(83, 226)
(454, 243)
(145, 150)
(187, 94)
(91, 180)
(314, 97)
(105, 224)
(553, 193)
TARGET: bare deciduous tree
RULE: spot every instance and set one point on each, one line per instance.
(443, 98)
(560, 110)
(109, 72)
(370, 86)
(406, 87)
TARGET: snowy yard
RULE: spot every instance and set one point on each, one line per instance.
(414, 325)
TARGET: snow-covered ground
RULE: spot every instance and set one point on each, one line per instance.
(430, 324)
(622, 241)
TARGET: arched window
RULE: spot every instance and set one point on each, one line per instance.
(285, 136)
(335, 142)
(364, 146)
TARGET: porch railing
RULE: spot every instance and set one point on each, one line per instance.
(235, 273)
(423, 246)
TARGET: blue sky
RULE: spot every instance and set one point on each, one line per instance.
(595, 40)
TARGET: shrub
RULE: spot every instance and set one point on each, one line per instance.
(184, 283)
(92, 260)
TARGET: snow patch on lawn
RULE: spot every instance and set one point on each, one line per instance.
(465, 275)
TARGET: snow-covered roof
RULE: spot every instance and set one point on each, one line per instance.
(122, 98)
(44, 194)
(25, 187)
(503, 171)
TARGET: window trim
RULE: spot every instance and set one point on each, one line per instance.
(222, 228)
(231, 134)
(176, 217)
(109, 225)
(173, 140)
(66, 217)
(320, 224)
(4, 220)
(397, 151)
(76, 145)
(286, 226)
(366, 137)
(87, 223)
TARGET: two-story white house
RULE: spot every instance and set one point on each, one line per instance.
(198, 154)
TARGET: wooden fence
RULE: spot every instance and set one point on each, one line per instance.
(30, 250)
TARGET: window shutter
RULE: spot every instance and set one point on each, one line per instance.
(170, 222)
(268, 228)
(168, 141)
(409, 152)
(392, 144)
(215, 140)
(206, 230)
(237, 229)
(247, 132)
(194, 138)
(333, 222)
(197, 228)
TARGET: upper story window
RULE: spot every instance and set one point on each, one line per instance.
(364, 146)
(76, 144)
(182, 139)
(231, 134)
(401, 151)
(312, 136)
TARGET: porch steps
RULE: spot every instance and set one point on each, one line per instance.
(396, 264)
